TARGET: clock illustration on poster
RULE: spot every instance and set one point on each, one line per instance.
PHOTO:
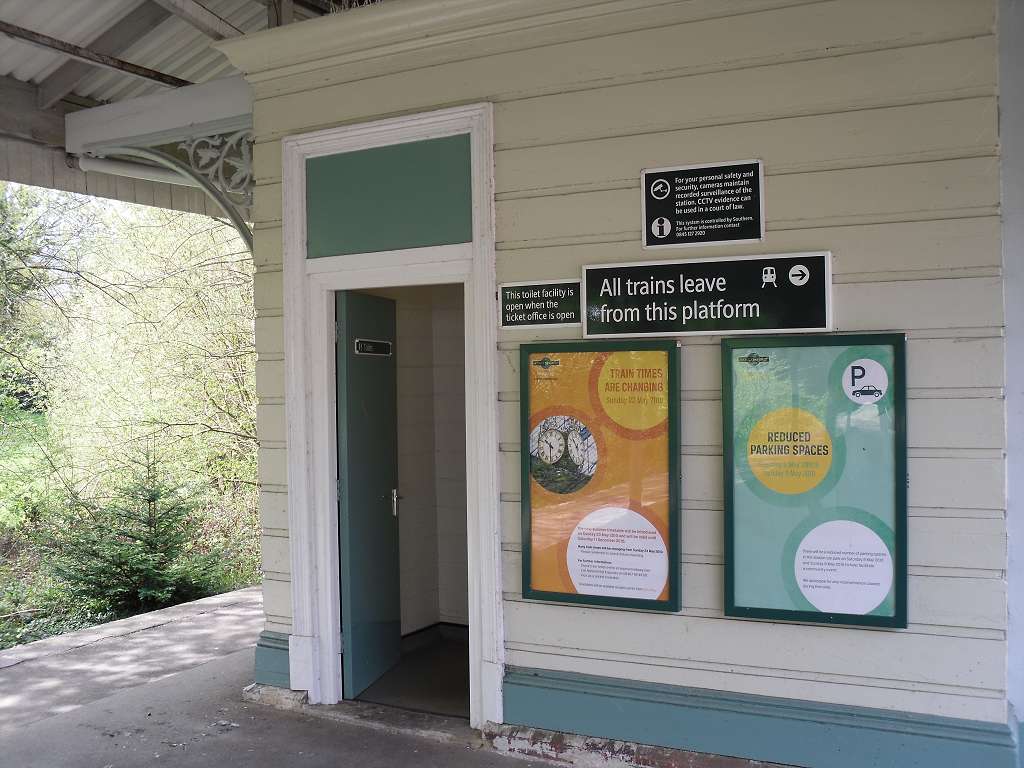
(563, 454)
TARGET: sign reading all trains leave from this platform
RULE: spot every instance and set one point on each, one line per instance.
(748, 294)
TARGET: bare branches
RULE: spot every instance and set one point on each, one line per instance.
(202, 427)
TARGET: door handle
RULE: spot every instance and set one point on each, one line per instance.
(394, 502)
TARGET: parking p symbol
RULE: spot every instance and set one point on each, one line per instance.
(865, 381)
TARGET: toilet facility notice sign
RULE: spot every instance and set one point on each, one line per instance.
(815, 479)
(706, 204)
(600, 473)
(544, 303)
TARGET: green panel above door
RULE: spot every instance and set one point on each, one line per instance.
(410, 195)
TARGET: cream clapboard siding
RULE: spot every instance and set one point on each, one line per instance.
(877, 123)
(40, 166)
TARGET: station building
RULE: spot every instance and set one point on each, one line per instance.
(413, 156)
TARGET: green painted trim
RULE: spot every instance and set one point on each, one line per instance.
(413, 194)
(673, 603)
(788, 731)
(899, 388)
(272, 660)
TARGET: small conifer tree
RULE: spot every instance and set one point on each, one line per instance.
(134, 551)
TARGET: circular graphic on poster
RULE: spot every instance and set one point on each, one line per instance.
(629, 390)
(865, 381)
(563, 454)
(789, 451)
(843, 567)
(616, 552)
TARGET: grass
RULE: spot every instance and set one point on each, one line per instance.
(21, 437)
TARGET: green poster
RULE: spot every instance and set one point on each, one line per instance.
(815, 479)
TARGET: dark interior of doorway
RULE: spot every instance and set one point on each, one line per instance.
(432, 674)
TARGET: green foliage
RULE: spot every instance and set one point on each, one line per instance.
(33, 605)
(23, 478)
(136, 550)
(124, 331)
(41, 234)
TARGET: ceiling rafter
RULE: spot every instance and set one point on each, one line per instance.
(113, 41)
(277, 11)
(202, 18)
(84, 54)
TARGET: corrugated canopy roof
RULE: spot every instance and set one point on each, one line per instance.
(59, 57)
(172, 45)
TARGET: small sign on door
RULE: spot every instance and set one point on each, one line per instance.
(373, 347)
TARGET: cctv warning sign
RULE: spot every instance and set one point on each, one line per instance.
(703, 204)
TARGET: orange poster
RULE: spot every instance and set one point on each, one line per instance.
(600, 473)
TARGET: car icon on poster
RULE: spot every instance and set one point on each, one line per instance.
(867, 391)
(865, 381)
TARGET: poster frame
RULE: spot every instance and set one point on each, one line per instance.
(898, 387)
(673, 602)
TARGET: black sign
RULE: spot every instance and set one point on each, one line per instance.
(721, 296)
(545, 303)
(703, 204)
(373, 347)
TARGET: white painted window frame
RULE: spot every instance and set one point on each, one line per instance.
(309, 289)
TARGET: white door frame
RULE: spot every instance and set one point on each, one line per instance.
(309, 286)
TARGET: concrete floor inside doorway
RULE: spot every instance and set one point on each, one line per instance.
(432, 678)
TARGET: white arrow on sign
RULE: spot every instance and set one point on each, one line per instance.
(799, 275)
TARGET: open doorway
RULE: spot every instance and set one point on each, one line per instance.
(402, 472)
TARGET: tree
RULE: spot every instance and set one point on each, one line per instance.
(133, 551)
(131, 328)
(41, 235)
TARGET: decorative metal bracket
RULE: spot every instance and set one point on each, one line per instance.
(226, 160)
(205, 182)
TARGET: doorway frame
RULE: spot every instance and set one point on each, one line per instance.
(315, 644)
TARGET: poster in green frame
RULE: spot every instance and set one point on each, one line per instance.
(600, 473)
(815, 479)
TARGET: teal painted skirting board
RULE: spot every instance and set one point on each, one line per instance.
(272, 659)
(800, 733)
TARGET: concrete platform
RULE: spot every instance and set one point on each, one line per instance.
(60, 674)
(197, 718)
(166, 689)
(174, 688)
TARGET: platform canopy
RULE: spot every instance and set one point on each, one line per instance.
(81, 81)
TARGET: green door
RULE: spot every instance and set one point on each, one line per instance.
(368, 489)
